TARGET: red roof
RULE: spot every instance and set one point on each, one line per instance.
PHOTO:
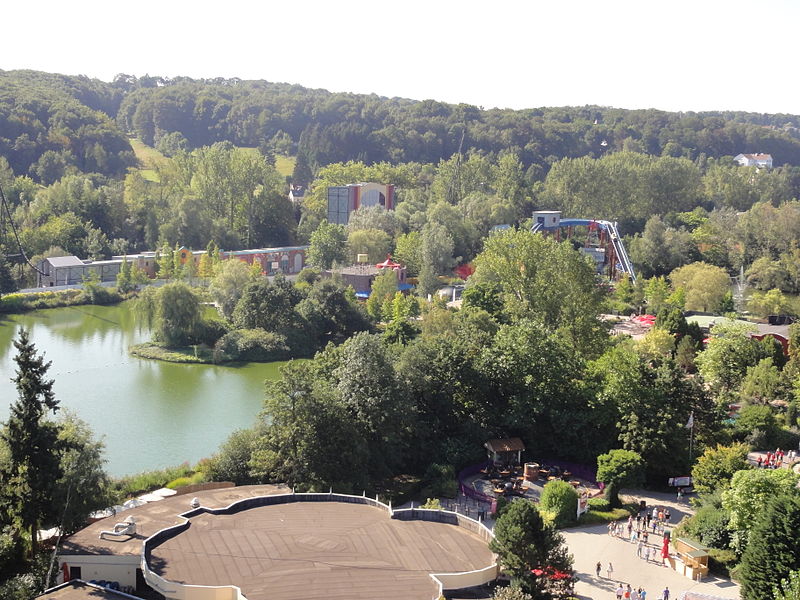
(388, 263)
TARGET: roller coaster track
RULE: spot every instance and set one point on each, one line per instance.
(625, 264)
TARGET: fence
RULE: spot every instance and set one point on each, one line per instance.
(580, 471)
(202, 487)
(467, 489)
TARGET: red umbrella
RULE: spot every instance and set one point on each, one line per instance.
(665, 548)
(552, 573)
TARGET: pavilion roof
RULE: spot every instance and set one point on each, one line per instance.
(505, 445)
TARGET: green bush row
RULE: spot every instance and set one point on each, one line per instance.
(140, 483)
(18, 303)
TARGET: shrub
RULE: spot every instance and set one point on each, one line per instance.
(599, 504)
(178, 483)
(720, 562)
(197, 477)
(231, 463)
(709, 524)
(502, 505)
(560, 498)
(440, 481)
(134, 485)
(209, 331)
(251, 344)
(432, 504)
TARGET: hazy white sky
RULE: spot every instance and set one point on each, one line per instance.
(673, 55)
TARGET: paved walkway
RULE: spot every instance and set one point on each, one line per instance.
(593, 543)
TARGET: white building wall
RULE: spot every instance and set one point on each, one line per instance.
(108, 567)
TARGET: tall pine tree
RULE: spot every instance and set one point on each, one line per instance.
(33, 466)
(772, 552)
(532, 552)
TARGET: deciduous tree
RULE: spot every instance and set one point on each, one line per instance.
(715, 468)
(749, 493)
(328, 245)
(619, 468)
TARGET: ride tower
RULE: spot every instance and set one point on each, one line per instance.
(596, 238)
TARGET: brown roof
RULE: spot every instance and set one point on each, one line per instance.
(153, 517)
(318, 550)
(505, 445)
(80, 590)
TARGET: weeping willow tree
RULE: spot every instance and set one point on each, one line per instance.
(172, 312)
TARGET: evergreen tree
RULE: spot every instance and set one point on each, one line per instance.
(771, 553)
(177, 263)
(303, 173)
(524, 544)
(33, 464)
(165, 262)
(124, 281)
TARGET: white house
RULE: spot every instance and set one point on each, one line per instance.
(754, 160)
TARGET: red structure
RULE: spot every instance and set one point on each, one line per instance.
(784, 342)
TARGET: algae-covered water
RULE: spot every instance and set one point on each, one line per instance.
(150, 414)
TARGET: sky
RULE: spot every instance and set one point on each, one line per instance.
(673, 55)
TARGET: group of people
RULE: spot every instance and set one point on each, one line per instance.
(775, 459)
(627, 592)
(638, 529)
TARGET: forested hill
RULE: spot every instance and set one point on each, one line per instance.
(50, 121)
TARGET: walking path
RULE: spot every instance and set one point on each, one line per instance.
(593, 543)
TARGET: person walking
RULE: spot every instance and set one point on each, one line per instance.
(642, 594)
(639, 549)
(598, 568)
(619, 592)
(665, 594)
(609, 570)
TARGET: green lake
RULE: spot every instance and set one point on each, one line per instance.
(149, 414)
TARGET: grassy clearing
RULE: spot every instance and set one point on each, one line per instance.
(285, 165)
(189, 354)
(147, 155)
(150, 175)
(595, 517)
